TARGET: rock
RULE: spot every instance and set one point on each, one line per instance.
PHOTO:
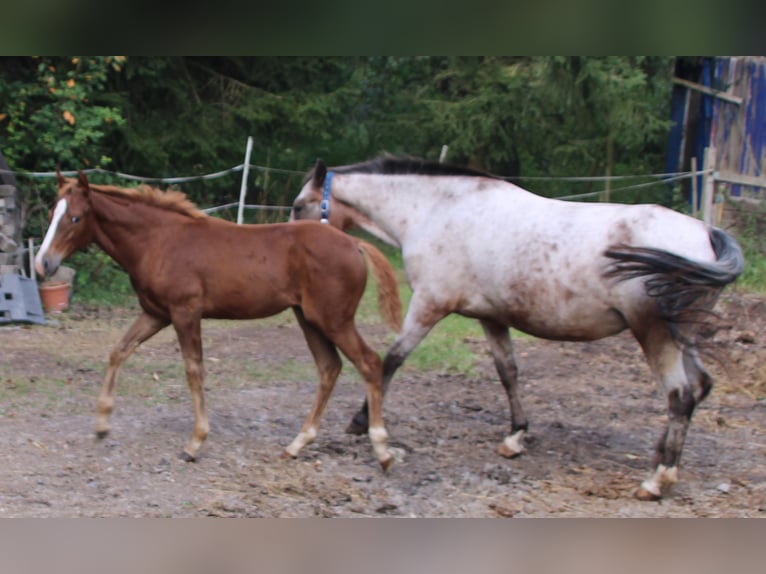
(723, 487)
(747, 337)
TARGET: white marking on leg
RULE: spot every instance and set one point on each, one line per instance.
(515, 442)
(662, 477)
(378, 437)
(58, 214)
(303, 438)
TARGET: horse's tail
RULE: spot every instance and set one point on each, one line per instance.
(389, 303)
(685, 289)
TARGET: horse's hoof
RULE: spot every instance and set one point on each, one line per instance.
(506, 452)
(356, 428)
(102, 434)
(386, 464)
(186, 457)
(646, 496)
(286, 455)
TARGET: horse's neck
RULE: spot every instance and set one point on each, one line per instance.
(124, 227)
(392, 207)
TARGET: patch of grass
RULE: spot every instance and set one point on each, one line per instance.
(20, 392)
(258, 371)
(750, 225)
(753, 278)
(445, 349)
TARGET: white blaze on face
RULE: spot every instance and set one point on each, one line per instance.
(58, 213)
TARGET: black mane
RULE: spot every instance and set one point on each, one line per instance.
(402, 165)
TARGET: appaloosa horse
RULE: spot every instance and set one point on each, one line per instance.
(186, 266)
(479, 246)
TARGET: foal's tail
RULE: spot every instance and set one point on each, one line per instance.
(685, 289)
(389, 304)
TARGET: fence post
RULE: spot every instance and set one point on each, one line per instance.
(32, 270)
(709, 185)
(695, 199)
(245, 173)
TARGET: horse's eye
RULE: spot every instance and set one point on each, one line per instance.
(75, 219)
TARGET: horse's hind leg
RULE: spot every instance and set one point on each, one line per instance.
(419, 320)
(501, 346)
(328, 365)
(686, 384)
(142, 329)
(369, 366)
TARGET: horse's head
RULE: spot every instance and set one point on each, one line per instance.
(71, 225)
(309, 203)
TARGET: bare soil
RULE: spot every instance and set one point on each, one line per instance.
(594, 412)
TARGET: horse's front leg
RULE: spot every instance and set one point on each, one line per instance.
(499, 339)
(142, 329)
(328, 365)
(421, 317)
(188, 329)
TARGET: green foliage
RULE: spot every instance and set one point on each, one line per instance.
(752, 238)
(98, 279)
(54, 111)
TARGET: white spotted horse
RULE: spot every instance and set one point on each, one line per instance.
(482, 247)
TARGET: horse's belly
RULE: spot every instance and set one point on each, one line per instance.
(245, 303)
(582, 319)
(605, 323)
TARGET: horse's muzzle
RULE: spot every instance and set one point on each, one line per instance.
(46, 264)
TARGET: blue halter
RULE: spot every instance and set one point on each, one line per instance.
(325, 205)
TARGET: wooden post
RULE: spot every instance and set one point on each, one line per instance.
(443, 154)
(695, 199)
(245, 173)
(609, 161)
(32, 270)
(708, 188)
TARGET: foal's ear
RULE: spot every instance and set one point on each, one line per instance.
(320, 172)
(60, 181)
(83, 181)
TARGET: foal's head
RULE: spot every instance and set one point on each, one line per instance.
(71, 225)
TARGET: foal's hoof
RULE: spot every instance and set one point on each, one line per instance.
(102, 434)
(286, 455)
(186, 457)
(386, 464)
(643, 494)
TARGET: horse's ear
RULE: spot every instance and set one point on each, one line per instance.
(320, 172)
(83, 181)
(60, 181)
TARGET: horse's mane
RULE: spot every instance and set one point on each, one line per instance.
(171, 200)
(409, 165)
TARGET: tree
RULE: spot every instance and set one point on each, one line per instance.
(53, 110)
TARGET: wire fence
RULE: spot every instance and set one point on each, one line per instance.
(655, 179)
(288, 182)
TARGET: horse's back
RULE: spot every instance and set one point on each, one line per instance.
(252, 271)
(539, 264)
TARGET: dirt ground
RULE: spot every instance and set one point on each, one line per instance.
(594, 418)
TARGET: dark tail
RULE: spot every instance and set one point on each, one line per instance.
(685, 289)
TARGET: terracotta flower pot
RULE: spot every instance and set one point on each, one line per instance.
(55, 296)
